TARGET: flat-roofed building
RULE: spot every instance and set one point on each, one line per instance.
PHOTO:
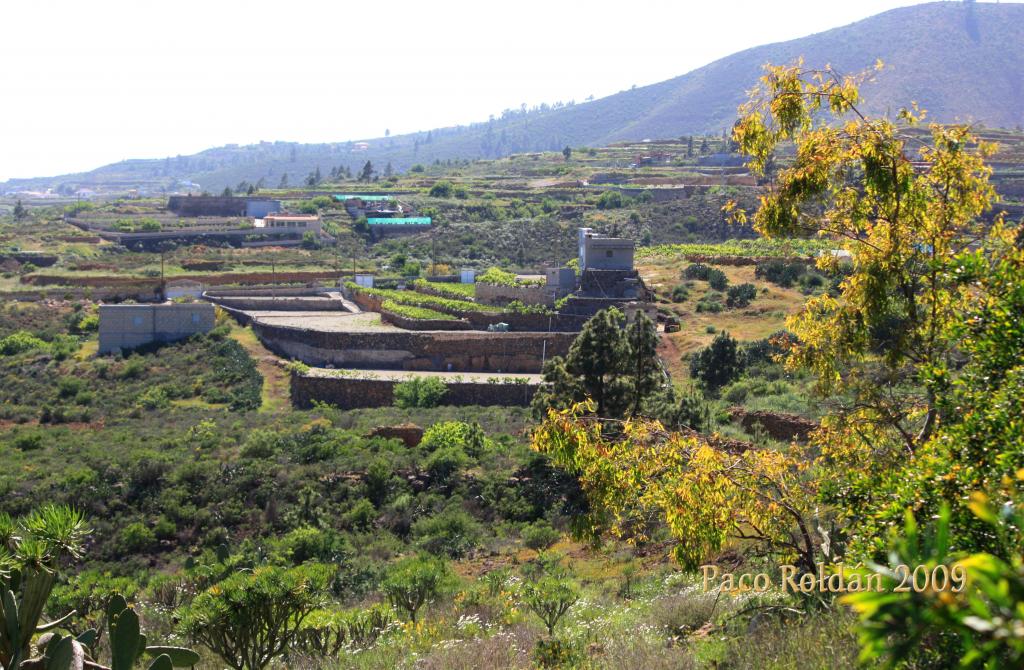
(130, 326)
(597, 252)
(296, 221)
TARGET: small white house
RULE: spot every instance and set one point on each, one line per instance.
(184, 288)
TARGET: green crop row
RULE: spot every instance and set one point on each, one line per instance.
(448, 289)
(757, 247)
(426, 300)
(413, 312)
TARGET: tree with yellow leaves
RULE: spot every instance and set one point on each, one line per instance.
(638, 476)
(885, 349)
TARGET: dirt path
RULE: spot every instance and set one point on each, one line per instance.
(276, 383)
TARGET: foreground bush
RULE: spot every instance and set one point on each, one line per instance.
(250, 618)
(413, 582)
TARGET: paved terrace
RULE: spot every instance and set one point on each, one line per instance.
(330, 322)
(446, 377)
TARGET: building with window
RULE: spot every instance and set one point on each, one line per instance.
(129, 326)
(598, 252)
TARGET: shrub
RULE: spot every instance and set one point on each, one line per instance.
(136, 537)
(19, 342)
(442, 189)
(29, 441)
(610, 200)
(539, 535)
(444, 463)
(420, 392)
(550, 598)
(154, 397)
(413, 582)
(252, 617)
(717, 279)
(713, 276)
(710, 304)
(780, 272)
(452, 533)
(741, 296)
(680, 294)
(469, 437)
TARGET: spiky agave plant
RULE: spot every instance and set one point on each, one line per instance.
(30, 551)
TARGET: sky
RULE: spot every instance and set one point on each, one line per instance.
(90, 83)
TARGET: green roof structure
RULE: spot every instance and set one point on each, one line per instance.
(406, 221)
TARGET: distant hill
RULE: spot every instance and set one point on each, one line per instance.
(960, 61)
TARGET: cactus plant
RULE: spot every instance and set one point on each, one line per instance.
(30, 553)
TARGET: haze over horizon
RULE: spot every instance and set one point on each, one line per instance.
(89, 86)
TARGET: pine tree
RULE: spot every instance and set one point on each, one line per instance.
(644, 371)
(367, 173)
(284, 181)
(388, 170)
(718, 364)
(20, 211)
(596, 367)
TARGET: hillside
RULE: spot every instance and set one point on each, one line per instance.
(960, 61)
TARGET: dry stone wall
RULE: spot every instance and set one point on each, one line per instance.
(470, 351)
(348, 393)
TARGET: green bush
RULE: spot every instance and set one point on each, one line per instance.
(413, 582)
(420, 392)
(442, 189)
(539, 535)
(136, 537)
(19, 342)
(252, 617)
(452, 533)
(610, 200)
(741, 295)
(444, 463)
(467, 436)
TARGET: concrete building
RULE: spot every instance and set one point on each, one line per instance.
(259, 208)
(293, 221)
(130, 326)
(560, 279)
(597, 252)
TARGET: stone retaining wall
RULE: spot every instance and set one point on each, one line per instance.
(399, 321)
(469, 351)
(520, 323)
(349, 393)
(499, 294)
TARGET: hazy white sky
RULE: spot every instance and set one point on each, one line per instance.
(87, 83)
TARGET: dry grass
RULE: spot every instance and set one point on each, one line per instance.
(765, 315)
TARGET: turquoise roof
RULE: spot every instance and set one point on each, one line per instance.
(407, 221)
(366, 198)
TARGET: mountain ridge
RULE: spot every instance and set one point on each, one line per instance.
(963, 62)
